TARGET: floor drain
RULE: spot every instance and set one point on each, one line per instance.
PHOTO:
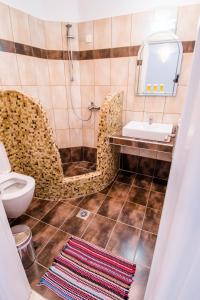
(83, 214)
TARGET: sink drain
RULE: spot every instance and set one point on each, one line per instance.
(83, 214)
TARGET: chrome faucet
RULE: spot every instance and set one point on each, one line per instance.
(150, 120)
(93, 106)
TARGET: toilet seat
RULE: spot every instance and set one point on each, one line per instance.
(14, 185)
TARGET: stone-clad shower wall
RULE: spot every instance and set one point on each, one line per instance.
(27, 136)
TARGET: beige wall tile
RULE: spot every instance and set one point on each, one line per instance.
(132, 70)
(5, 23)
(76, 73)
(102, 33)
(121, 31)
(88, 137)
(171, 118)
(50, 117)
(174, 105)
(164, 156)
(133, 116)
(61, 118)
(76, 139)
(147, 153)
(27, 70)
(87, 95)
(134, 103)
(45, 96)
(56, 72)
(188, 17)
(154, 104)
(37, 32)
(157, 117)
(59, 97)
(9, 74)
(87, 72)
(31, 91)
(74, 96)
(102, 71)
(85, 34)
(130, 150)
(20, 26)
(42, 71)
(88, 117)
(186, 68)
(74, 121)
(62, 138)
(11, 87)
(119, 71)
(101, 91)
(53, 35)
(141, 27)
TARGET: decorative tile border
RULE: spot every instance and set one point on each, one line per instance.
(12, 47)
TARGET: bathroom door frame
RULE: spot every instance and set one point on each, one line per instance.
(13, 281)
(174, 272)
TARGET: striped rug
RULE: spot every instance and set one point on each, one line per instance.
(84, 271)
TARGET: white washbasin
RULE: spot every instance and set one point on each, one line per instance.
(143, 130)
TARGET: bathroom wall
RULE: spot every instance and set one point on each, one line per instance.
(117, 72)
(45, 79)
(48, 80)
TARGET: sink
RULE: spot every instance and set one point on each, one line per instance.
(143, 130)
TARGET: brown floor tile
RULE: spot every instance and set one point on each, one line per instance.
(140, 282)
(107, 189)
(99, 230)
(159, 185)
(132, 214)
(123, 241)
(92, 202)
(73, 169)
(52, 248)
(143, 181)
(162, 169)
(24, 219)
(119, 190)
(156, 200)
(111, 207)
(39, 208)
(146, 166)
(57, 215)
(145, 249)
(42, 233)
(138, 195)
(129, 162)
(73, 201)
(75, 225)
(125, 177)
(34, 273)
(152, 220)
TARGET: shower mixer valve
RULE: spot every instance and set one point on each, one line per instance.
(93, 106)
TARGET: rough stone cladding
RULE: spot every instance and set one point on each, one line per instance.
(29, 141)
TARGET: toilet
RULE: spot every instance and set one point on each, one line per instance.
(16, 190)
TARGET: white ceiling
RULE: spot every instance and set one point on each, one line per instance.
(82, 10)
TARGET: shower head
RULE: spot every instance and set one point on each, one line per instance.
(68, 26)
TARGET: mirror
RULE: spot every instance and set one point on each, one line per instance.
(158, 65)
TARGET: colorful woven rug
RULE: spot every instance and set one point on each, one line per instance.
(84, 271)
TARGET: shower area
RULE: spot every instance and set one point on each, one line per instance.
(78, 160)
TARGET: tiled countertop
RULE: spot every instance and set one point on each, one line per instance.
(143, 144)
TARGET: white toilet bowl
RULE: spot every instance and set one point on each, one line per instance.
(16, 189)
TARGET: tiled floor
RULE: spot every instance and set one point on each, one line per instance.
(124, 219)
(78, 168)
